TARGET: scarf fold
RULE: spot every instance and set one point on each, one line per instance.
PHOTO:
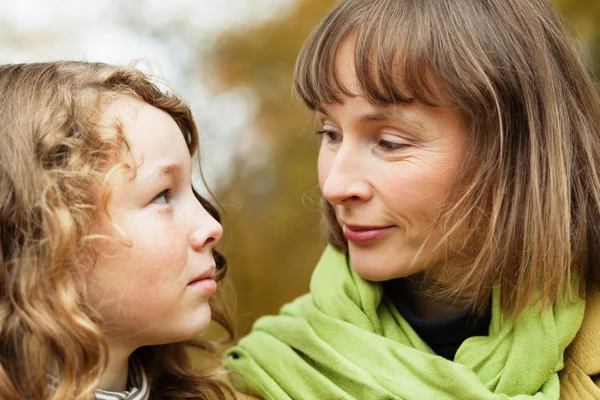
(346, 340)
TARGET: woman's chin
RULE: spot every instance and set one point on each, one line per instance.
(378, 268)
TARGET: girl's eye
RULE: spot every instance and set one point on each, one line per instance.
(386, 145)
(162, 197)
(332, 137)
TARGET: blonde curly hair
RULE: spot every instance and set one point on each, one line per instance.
(54, 157)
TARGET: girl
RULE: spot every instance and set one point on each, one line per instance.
(107, 263)
(459, 167)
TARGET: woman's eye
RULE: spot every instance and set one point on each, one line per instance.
(386, 145)
(162, 197)
(332, 137)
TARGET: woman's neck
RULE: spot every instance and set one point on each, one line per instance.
(415, 292)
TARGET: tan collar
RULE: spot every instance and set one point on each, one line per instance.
(585, 349)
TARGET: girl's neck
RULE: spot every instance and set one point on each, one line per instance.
(114, 378)
(116, 373)
(414, 291)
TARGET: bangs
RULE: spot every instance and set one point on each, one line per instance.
(394, 56)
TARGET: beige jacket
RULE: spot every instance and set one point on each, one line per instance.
(580, 378)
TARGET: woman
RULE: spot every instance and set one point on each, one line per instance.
(459, 170)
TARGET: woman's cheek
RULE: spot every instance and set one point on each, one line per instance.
(323, 166)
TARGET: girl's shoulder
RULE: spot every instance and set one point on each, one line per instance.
(579, 378)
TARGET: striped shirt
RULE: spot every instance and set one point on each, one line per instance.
(139, 389)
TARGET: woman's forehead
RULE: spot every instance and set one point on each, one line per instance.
(381, 75)
(345, 65)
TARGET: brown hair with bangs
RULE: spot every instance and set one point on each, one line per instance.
(54, 148)
(532, 202)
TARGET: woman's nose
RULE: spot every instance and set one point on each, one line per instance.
(342, 174)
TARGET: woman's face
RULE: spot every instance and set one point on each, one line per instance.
(387, 172)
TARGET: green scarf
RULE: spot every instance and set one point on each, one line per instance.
(346, 340)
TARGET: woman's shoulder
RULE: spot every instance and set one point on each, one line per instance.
(225, 377)
(580, 378)
(243, 396)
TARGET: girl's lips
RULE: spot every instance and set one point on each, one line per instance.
(205, 282)
(363, 234)
(207, 285)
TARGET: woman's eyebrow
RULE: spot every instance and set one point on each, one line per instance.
(384, 114)
(390, 115)
(321, 110)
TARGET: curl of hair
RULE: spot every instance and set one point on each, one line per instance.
(53, 186)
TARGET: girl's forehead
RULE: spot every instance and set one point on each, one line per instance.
(123, 108)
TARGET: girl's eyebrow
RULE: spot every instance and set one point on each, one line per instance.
(164, 169)
(169, 169)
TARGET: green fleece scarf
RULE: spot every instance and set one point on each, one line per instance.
(346, 340)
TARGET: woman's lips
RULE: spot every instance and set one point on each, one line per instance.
(364, 234)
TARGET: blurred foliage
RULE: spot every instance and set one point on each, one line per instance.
(272, 218)
(583, 17)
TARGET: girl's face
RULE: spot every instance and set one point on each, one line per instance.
(387, 172)
(156, 290)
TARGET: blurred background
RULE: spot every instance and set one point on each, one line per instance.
(232, 60)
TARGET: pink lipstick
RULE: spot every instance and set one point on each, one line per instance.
(364, 234)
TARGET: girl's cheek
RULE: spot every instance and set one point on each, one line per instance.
(161, 258)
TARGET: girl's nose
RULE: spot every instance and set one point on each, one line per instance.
(207, 233)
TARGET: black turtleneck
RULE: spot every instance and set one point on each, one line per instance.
(444, 335)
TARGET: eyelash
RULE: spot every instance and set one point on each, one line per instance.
(329, 134)
(390, 146)
(386, 145)
(165, 193)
